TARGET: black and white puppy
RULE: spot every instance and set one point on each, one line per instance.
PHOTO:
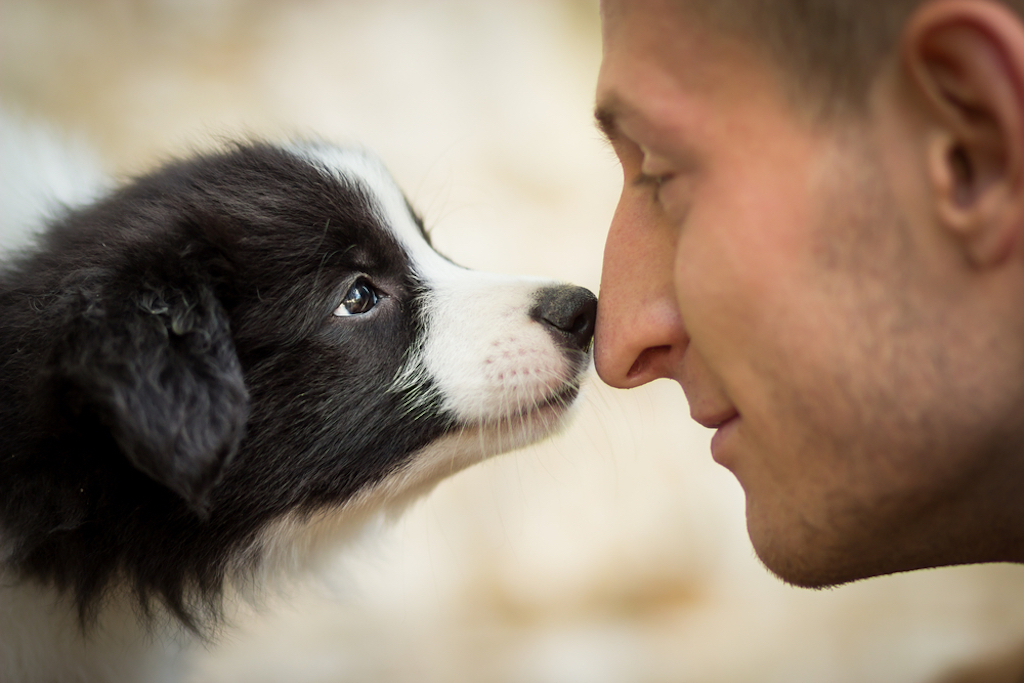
(211, 371)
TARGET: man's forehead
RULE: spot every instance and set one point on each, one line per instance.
(656, 56)
(638, 80)
(612, 10)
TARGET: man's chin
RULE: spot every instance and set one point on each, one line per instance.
(805, 556)
(804, 575)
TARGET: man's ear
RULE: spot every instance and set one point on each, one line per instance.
(965, 58)
(154, 360)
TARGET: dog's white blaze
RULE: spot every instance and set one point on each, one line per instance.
(511, 363)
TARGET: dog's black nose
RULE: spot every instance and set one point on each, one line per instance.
(569, 312)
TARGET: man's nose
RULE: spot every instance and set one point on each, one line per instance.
(640, 333)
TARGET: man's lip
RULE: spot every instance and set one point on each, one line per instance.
(722, 433)
(716, 420)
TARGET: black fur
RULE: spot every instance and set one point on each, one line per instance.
(172, 378)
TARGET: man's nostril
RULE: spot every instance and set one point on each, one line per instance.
(644, 360)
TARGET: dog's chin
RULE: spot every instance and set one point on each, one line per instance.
(471, 442)
(525, 426)
(296, 544)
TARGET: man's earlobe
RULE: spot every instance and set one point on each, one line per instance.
(966, 61)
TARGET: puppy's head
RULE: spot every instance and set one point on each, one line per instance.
(254, 340)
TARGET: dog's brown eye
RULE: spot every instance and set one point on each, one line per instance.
(359, 299)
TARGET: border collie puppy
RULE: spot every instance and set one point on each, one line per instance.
(217, 369)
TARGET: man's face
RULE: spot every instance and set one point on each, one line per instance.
(769, 264)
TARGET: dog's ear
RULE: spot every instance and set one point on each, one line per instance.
(155, 361)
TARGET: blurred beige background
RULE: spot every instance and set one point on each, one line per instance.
(616, 553)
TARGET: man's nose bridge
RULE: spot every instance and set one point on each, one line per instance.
(645, 253)
(640, 331)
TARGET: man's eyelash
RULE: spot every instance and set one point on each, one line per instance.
(652, 181)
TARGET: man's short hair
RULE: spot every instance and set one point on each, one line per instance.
(830, 50)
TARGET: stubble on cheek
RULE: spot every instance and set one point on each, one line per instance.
(849, 391)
